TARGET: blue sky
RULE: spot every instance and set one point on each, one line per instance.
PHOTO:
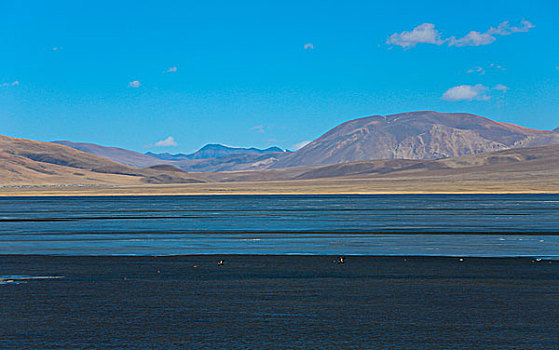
(259, 73)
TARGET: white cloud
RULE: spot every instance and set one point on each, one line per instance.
(57, 48)
(13, 83)
(476, 92)
(300, 145)
(427, 34)
(172, 69)
(466, 92)
(258, 128)
(168, 142)
(424, 33)
(309, 46)
(134, 84)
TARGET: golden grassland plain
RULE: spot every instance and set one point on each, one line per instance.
(481, 183)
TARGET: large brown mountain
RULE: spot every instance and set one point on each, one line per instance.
(44, 163)
(415, 135)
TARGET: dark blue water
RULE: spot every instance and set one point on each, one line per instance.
(504, 225)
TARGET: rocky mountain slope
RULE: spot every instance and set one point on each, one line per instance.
(415, 135)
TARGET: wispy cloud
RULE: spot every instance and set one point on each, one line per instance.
(497, 66)
(504, 28)
(475, 38)
(172, 69)
(168, 142)
(258, 128)
(309, 46)
(57, 48)
(134, 84)
(13, 83)
(476, 92)
(427, 34)
(501, 87)
(482, 71)
(476, 70)
(300, 145)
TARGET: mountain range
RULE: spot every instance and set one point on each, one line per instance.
(416, 144)
(414, 135)
(213, 150)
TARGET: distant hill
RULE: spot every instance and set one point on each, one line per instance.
(214, 151)
(415, 135)
(209, 158)
(168, 156)
(115, 154)
(556, 130)
(44, 163)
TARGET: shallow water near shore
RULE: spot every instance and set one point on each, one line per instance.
(431, 225)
